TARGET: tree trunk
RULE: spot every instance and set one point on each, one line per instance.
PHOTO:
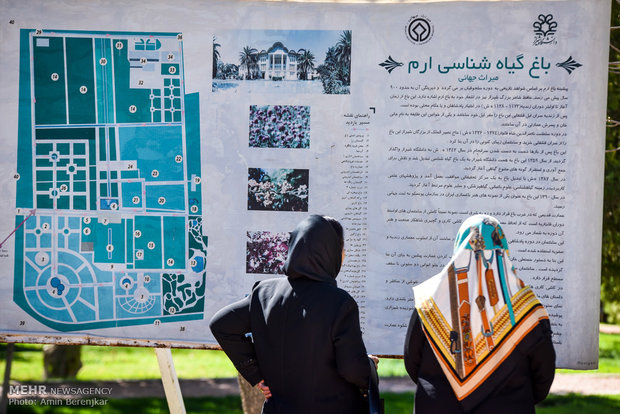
(61, 361)
(251, 397)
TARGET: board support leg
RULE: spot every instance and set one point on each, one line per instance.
(170, 380)
(4, 401)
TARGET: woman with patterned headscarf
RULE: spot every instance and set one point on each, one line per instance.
(479, 340)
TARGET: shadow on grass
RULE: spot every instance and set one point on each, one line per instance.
(398, 403)
(554, 404)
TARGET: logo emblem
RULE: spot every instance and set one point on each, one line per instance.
(390, 64)
(544, 30)
(569, 64)
(419, 30)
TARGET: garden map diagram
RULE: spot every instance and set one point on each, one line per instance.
(108, 183)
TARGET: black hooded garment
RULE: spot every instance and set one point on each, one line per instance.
(307, 343)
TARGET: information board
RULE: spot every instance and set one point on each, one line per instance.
(157, 155)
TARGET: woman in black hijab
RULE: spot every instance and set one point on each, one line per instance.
(306, 351)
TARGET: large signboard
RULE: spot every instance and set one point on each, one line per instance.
(157, 157)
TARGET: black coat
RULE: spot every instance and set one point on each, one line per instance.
(531, 372)
(307, 340)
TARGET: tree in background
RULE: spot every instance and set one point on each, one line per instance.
(216, 57)
(343, 55)
(305, 63)
(227, 70)
(61, 361)
(335, 71)
(248, 57)
(610, 275)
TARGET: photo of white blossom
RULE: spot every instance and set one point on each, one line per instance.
(278, 189)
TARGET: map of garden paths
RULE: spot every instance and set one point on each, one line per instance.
(109, 185)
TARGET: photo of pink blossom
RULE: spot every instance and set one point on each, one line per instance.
(266, 252)
(279, 189)
(279, 126)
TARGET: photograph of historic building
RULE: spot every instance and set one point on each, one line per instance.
(304, 61)
(277, 62)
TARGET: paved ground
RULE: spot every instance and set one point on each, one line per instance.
(610, 329)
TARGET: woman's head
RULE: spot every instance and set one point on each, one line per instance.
(481, 232)
(315, 249)
(337, 228)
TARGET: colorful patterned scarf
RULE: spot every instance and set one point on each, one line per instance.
(476, 310)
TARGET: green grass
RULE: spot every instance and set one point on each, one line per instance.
(391, 368)
(608, 354)
(398, 403)
(126, 363)
(111, 363)
(554, 404)
(27, 362)
(582, 404)
(140, 363)
(394, 404)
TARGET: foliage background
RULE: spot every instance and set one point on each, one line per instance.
(610, 275)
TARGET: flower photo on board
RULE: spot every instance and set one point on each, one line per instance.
(278, 189)
(279, 126)
(266, 252)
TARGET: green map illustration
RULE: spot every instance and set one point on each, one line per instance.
(109, 229)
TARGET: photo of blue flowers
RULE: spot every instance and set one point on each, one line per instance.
(279, 126)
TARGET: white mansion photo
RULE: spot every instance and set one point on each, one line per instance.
(293, 61)
(278, 62)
